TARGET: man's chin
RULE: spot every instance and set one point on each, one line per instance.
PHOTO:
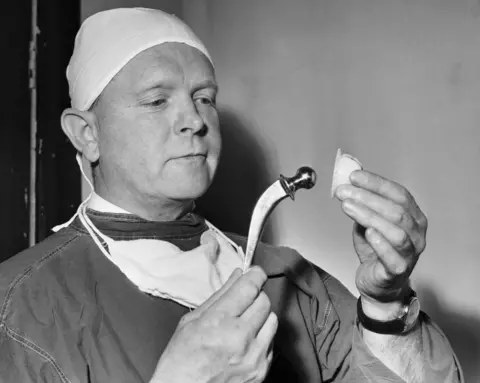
(185, 185)
(189, 193)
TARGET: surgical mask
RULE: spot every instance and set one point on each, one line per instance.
(160, 268)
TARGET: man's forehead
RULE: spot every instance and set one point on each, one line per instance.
(168, 62)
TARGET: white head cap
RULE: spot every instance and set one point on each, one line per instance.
(108, 40)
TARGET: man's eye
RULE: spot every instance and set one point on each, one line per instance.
(158, 102)
(205, 101)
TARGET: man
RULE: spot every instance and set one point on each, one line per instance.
(139, 288)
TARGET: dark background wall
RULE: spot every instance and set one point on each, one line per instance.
(14, 126)
(53, 180)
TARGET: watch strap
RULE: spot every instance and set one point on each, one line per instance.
(393, 327)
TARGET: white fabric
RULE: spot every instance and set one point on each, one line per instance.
(101, 204)
(160, 268)
(108, 40)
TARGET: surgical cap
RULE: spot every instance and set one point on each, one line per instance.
(108, 40)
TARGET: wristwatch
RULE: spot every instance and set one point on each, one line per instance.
(404, 323)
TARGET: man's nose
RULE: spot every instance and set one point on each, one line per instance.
(189, 121)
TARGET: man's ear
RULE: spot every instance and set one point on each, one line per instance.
(82, 130)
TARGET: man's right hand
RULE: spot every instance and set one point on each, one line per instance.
(227, 339)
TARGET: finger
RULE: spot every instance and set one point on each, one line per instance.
(394, 267)
(242, 293)
(270, 354)
(266, 367)
(366, 217)
(262, 359)
(389, 209)
(267, 332)
(256, 315)
(388, 189)
(236, 274)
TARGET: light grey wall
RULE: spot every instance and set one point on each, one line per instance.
(397, 84)
(394, 82)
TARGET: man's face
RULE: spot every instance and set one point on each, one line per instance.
(159, 137)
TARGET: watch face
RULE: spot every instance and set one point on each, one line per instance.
(413, 312)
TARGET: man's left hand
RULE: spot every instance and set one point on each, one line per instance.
(389, 234)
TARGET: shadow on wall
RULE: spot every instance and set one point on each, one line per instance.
(241, 178)
(462, 330)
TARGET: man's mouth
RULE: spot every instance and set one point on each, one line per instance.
(196, 155)
(193, 155)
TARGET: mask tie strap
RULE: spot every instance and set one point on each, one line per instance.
(82, 215)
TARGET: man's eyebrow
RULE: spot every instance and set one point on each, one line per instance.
(206, 84)
(156, 85)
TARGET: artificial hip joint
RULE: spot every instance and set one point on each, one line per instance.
(305, 178)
